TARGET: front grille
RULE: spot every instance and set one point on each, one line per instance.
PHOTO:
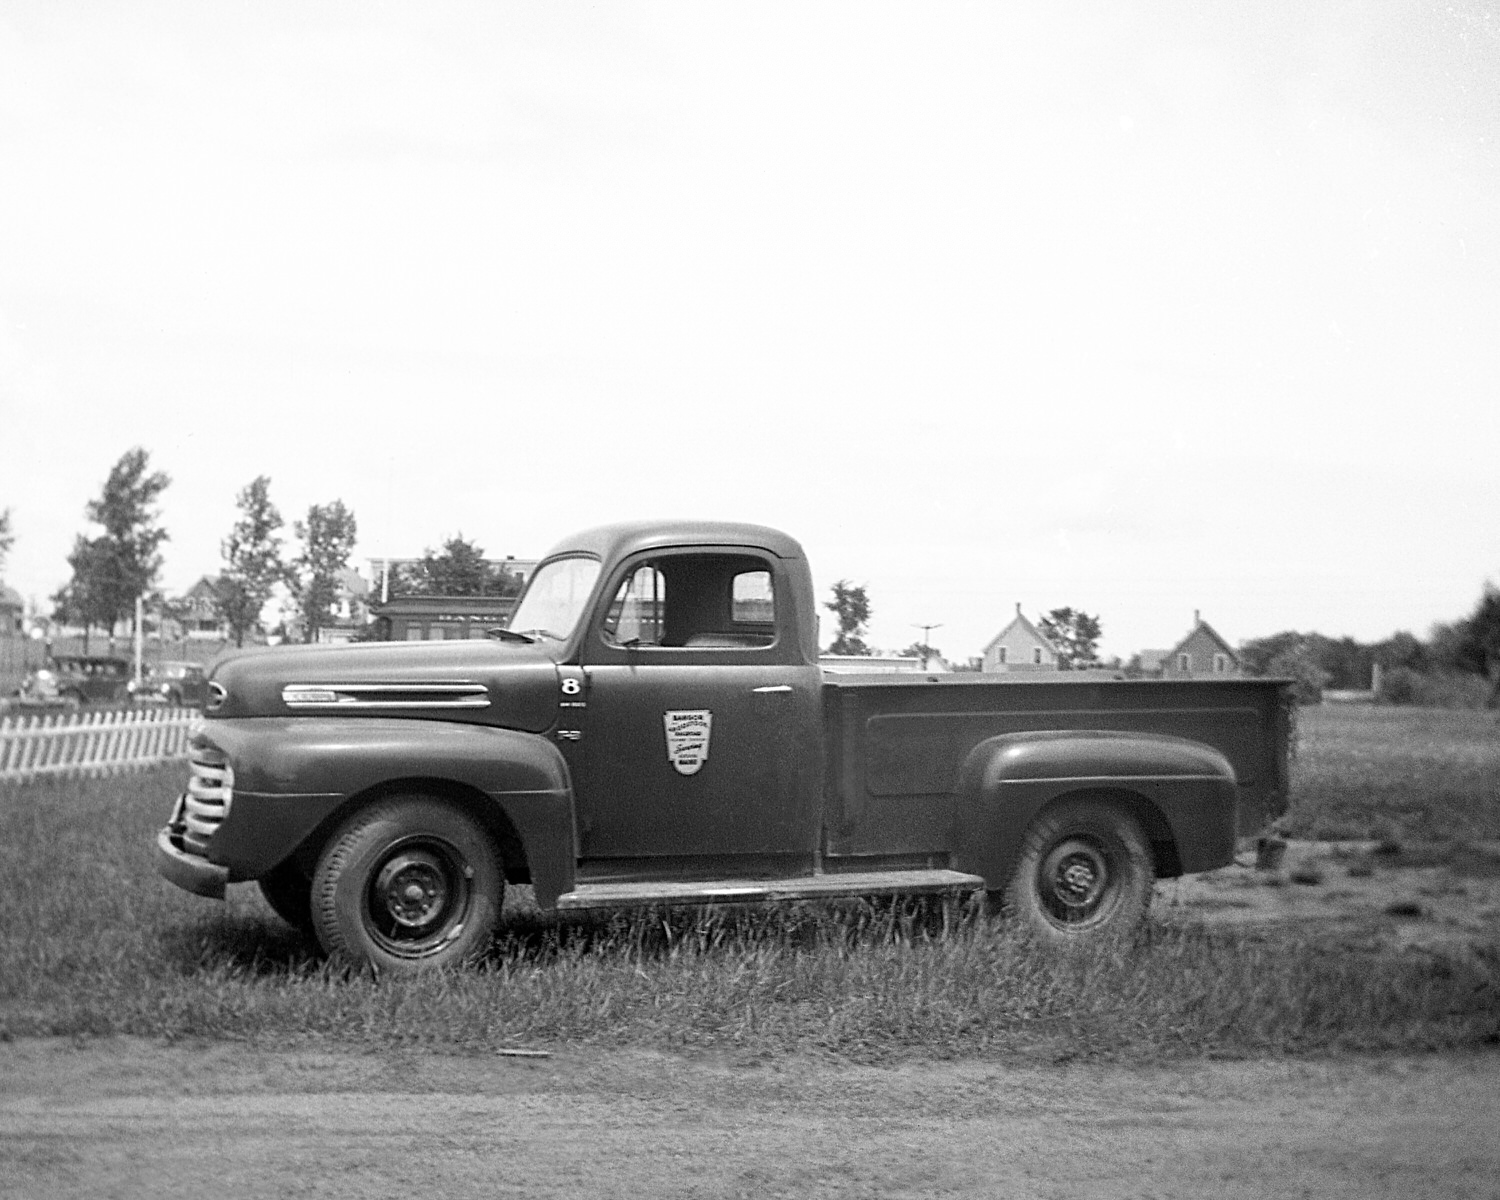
(209, 793)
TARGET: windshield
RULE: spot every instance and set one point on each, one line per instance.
(555, 598)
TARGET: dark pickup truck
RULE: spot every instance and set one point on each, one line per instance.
(654, 727)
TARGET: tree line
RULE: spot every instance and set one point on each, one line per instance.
(1456, 666)
(120, 563)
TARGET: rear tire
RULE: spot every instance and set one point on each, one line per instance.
(1085, 871)
(409, 884)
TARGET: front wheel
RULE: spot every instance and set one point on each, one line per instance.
(409, 884)
(1085, 868)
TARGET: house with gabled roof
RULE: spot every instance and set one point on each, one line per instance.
(200, 607)
(12, 612)
(1201, 653)
(1020, 646)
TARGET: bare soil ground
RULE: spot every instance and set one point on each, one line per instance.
(1406, 897)
(128, 1117)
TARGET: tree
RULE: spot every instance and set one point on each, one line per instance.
(327, 538)
(81, 600)
(921, 650)
(1290, 655)
(851, 607)
(1076, 636)
(1473, 644)
(1402, 650)
(459, 570)
(122, 565)
(252, 556)
(7, 539)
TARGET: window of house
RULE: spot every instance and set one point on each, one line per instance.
(1036, 655)
(413, 633)
(1003, 654)
(1221, 664)
(1184, 663)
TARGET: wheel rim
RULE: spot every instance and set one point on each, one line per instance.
(418, 897)
(1075, 882)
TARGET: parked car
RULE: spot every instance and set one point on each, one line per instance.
(71, 680)
(175, 683)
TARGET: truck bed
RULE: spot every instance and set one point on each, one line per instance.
(896, 743)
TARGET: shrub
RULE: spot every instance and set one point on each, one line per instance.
(1433, 689)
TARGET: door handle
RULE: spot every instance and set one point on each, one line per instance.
(774, 690)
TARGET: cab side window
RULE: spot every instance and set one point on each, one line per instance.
(694, 601)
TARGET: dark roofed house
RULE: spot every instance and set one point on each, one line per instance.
(1201, 653)
(440, 618)
(201, 619)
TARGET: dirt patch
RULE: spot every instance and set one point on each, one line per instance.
(1424, 896)
(131, 1118)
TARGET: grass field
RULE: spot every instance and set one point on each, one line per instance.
(1420, 774)
(93, 942)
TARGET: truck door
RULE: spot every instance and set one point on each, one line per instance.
(702, 729)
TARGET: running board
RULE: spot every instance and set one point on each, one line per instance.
(755, 891)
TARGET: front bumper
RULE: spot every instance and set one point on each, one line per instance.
(189, 871)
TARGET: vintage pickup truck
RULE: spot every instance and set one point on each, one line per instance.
(654, 727)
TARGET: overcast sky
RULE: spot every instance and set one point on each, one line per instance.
(1133, 307)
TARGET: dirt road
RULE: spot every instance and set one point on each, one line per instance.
(131, 1118)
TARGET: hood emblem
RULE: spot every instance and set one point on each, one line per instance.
(688, 731)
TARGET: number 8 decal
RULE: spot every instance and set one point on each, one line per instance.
(571, 687)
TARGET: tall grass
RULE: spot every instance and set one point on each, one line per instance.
(94, 943)
(1411, 773)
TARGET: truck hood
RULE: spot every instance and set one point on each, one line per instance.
(478, 682)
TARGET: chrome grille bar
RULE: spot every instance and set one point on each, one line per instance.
(385, 695)
(210, 791)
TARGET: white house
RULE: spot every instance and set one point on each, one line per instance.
(1020, 646)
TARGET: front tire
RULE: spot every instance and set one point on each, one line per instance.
(1085, 869)
(408, 884)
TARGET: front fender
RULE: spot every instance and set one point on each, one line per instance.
(1183, 793)
(292, 773)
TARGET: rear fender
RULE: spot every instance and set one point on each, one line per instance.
(1182, 792)
(295, 777)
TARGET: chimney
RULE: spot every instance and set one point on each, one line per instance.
(1197, 620)
(1018, 608)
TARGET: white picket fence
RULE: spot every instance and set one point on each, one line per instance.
(90, 743)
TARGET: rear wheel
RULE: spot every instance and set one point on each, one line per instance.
(411, 883)
(1085, 868)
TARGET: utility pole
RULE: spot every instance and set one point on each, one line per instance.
(925, 643)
